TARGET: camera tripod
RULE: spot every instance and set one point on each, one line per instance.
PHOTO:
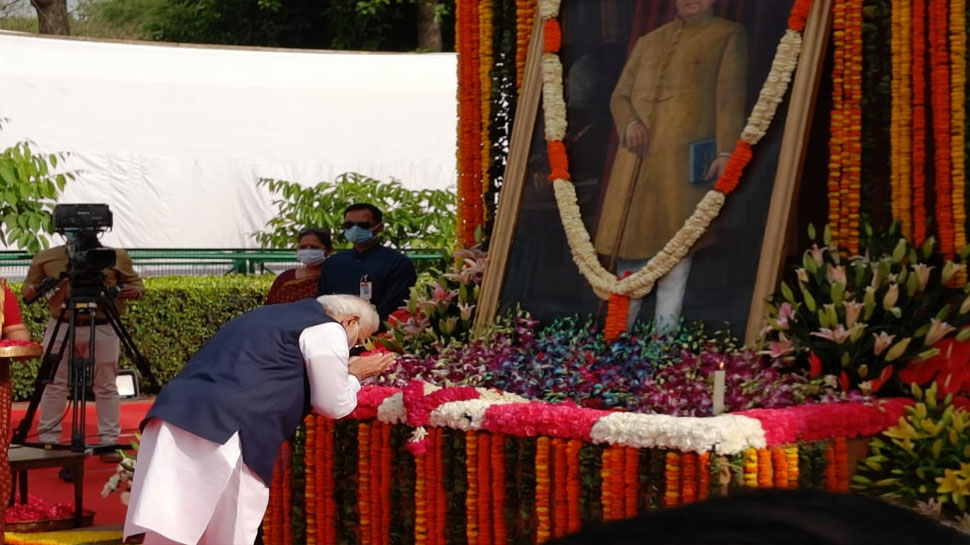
(79, 310)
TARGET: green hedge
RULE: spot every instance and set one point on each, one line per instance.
(174, 318)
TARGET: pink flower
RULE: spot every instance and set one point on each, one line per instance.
(836, 274)
(882, 342)
(852, 310)
(466, 310)
(779, 348)
(892, 295)
(922, 273)
(817, 254)
(786, 313)
(938, 330)
(838, 335)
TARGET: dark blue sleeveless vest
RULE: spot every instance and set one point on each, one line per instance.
(251, 378)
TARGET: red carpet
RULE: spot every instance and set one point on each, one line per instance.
(45, 483)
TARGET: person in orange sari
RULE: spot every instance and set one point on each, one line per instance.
(313, 247)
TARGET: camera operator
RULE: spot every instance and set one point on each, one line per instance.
(120, 278)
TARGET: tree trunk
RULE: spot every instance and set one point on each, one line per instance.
(429, 28)
(52, 16)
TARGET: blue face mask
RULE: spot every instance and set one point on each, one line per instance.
(311, 256)
(358, 235)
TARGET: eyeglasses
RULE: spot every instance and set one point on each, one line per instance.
(361, 224)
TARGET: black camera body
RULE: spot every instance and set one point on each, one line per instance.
(81, 224)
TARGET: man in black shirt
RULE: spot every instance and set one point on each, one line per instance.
(374, 272)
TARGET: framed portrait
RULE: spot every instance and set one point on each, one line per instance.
(656, 93)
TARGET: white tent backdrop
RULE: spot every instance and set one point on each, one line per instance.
(173, 138)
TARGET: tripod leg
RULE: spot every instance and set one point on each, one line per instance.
(50, 363)
(141, 362)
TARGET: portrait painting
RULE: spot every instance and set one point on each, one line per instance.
(657, 93)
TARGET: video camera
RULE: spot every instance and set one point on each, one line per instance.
(81, 224)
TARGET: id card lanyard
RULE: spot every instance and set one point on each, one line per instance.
(366, 290)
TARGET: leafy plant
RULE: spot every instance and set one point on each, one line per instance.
(861, 320)
(923, 460)
(414, 218)
(29, 185)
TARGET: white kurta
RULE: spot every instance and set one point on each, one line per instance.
(190, 490)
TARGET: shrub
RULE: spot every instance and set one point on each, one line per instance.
(414, 218)
(169, 324)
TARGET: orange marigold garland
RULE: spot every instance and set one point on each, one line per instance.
(471, 495)
(837, 122)
(327, 489)
(617, 313)
(485, 61)
(286, 453)
(841, 457)
(421, 499)
(312, 472)
(764, 468)
(273, 519)
(852, 117)
(901, 116)
(958, 118)
(543, 522)
(940, 96)
(739, 159)
(364, 481)
(688, 478)
(779, 464)
(574, 487)
(484, 488)
(470, 186)
(525, 11)
(386, 483)
(631, 481)
(551, 36)
(831, 479)
(672, 479)
(559, 484)
(919, 120)
(498, 489)
(703, 476)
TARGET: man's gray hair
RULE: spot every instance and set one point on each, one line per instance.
(351, 305)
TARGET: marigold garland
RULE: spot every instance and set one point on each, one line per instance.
(688, 487)
(470, 116)
(940, 97)
(750, 468)
(485, 43)
(703, 476)
(779, 464)
(363, 481)
(901, 116)
(573, 486)
(525, 11)
(837, 121)
(584, 255)
(791, 459)
(852, 144)
(471, 495)
(543, 522)
(498, 489)
(631, 481)
(831, 475)
(617, 312)
(919, 120)
(310, 461)
(484, 489)
(958, 118)
(841, 456)
(672, 479)
(273, 519)
(559, 484)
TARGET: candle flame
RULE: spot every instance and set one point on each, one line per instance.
(720, 365)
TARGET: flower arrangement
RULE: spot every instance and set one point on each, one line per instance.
(570, 361)
(868, 321)
(120, 481)
(440, 309)
(922, 460)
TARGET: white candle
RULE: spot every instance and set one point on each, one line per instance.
(718, 401)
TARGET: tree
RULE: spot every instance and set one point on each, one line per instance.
(52, 16)
(29, 186)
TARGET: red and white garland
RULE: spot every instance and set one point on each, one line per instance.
(477, 409)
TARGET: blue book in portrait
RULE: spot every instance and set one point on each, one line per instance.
(701, 153)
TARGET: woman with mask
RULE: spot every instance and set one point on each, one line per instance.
(313, 247)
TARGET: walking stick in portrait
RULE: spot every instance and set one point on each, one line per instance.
(89, 297)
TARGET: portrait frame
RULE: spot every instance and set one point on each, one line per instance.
(777, 226)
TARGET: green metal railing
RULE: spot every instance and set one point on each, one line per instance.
(211, 261)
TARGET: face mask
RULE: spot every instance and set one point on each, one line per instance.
(311, 256)
(358, 235)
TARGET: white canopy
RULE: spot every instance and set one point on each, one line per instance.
(173, 137)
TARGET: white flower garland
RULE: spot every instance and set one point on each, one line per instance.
(725, 434)
(392, 410)
(584, 254)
